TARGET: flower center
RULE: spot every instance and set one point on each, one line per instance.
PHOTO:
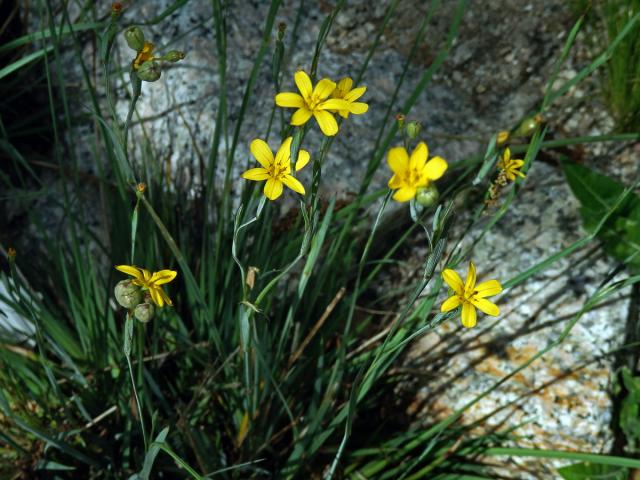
(413, 177)
(277, 171)
(313, 101)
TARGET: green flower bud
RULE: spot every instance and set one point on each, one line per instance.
(144, 312)
(413, 129)
(400, 118)
(528, 126)
(427, 196)
(173, 56)
(282, 27)
(149, 71)
(134, 38)
(128, 294)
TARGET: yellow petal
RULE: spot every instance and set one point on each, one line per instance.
(450, 303)
(468, 315)
(284, 152)
(257, 174)
(398, 160)
(303, 159)
(289, 100)
(471, 278)
(163, 276)
(327, 123)
(324, 88)
(506, 155)
(488, 288)
(303, 82)
(358, 108)
(394, 182)
(333, 104)
(344, 85)
(486, 306)
(355, 94)
(272, 189)
(262, 153)
(293, 183)
(419, 156)
(156, 297)
(343, 113)
(404, 194)
(517, 163)
(165, 297)
(435, 168)
(130, 270)
(146, 275)
(452, 279)
(301, 116)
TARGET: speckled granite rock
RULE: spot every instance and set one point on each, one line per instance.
(562, 399)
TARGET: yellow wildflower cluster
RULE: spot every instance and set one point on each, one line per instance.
(320, 102)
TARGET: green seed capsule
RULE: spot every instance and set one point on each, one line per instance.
(413, 129)
(528, 126)
(127, 294)
(144, 312)
(427, 196)
(134, 38)
(173, 56)
(149, 71)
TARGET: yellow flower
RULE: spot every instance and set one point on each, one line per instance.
(344, 92)
(276, 171)
(313, 102)
(470, 295)
(509, 166)
(144, 55)
(409, 174)
(150, 282)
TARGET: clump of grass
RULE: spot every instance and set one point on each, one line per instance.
(262, 367)
(621, 78)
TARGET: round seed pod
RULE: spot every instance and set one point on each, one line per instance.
(134, 38)
(127, 294)
(149, 71)
(144, 312)
(427, 196)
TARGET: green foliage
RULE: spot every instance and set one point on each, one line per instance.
(630, 410)
(621, 80)
(597, 194)
(593, 471)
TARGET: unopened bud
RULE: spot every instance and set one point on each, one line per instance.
(141, 187)
(400, 119)
(502, 137)
(427, 196)
(11, 253)
(134, 38)
(528, 126)
(149, 71)
(128, 294)
(144, 312)
(281, 29)
(116, 8)
(413, 130)
(173, 56)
